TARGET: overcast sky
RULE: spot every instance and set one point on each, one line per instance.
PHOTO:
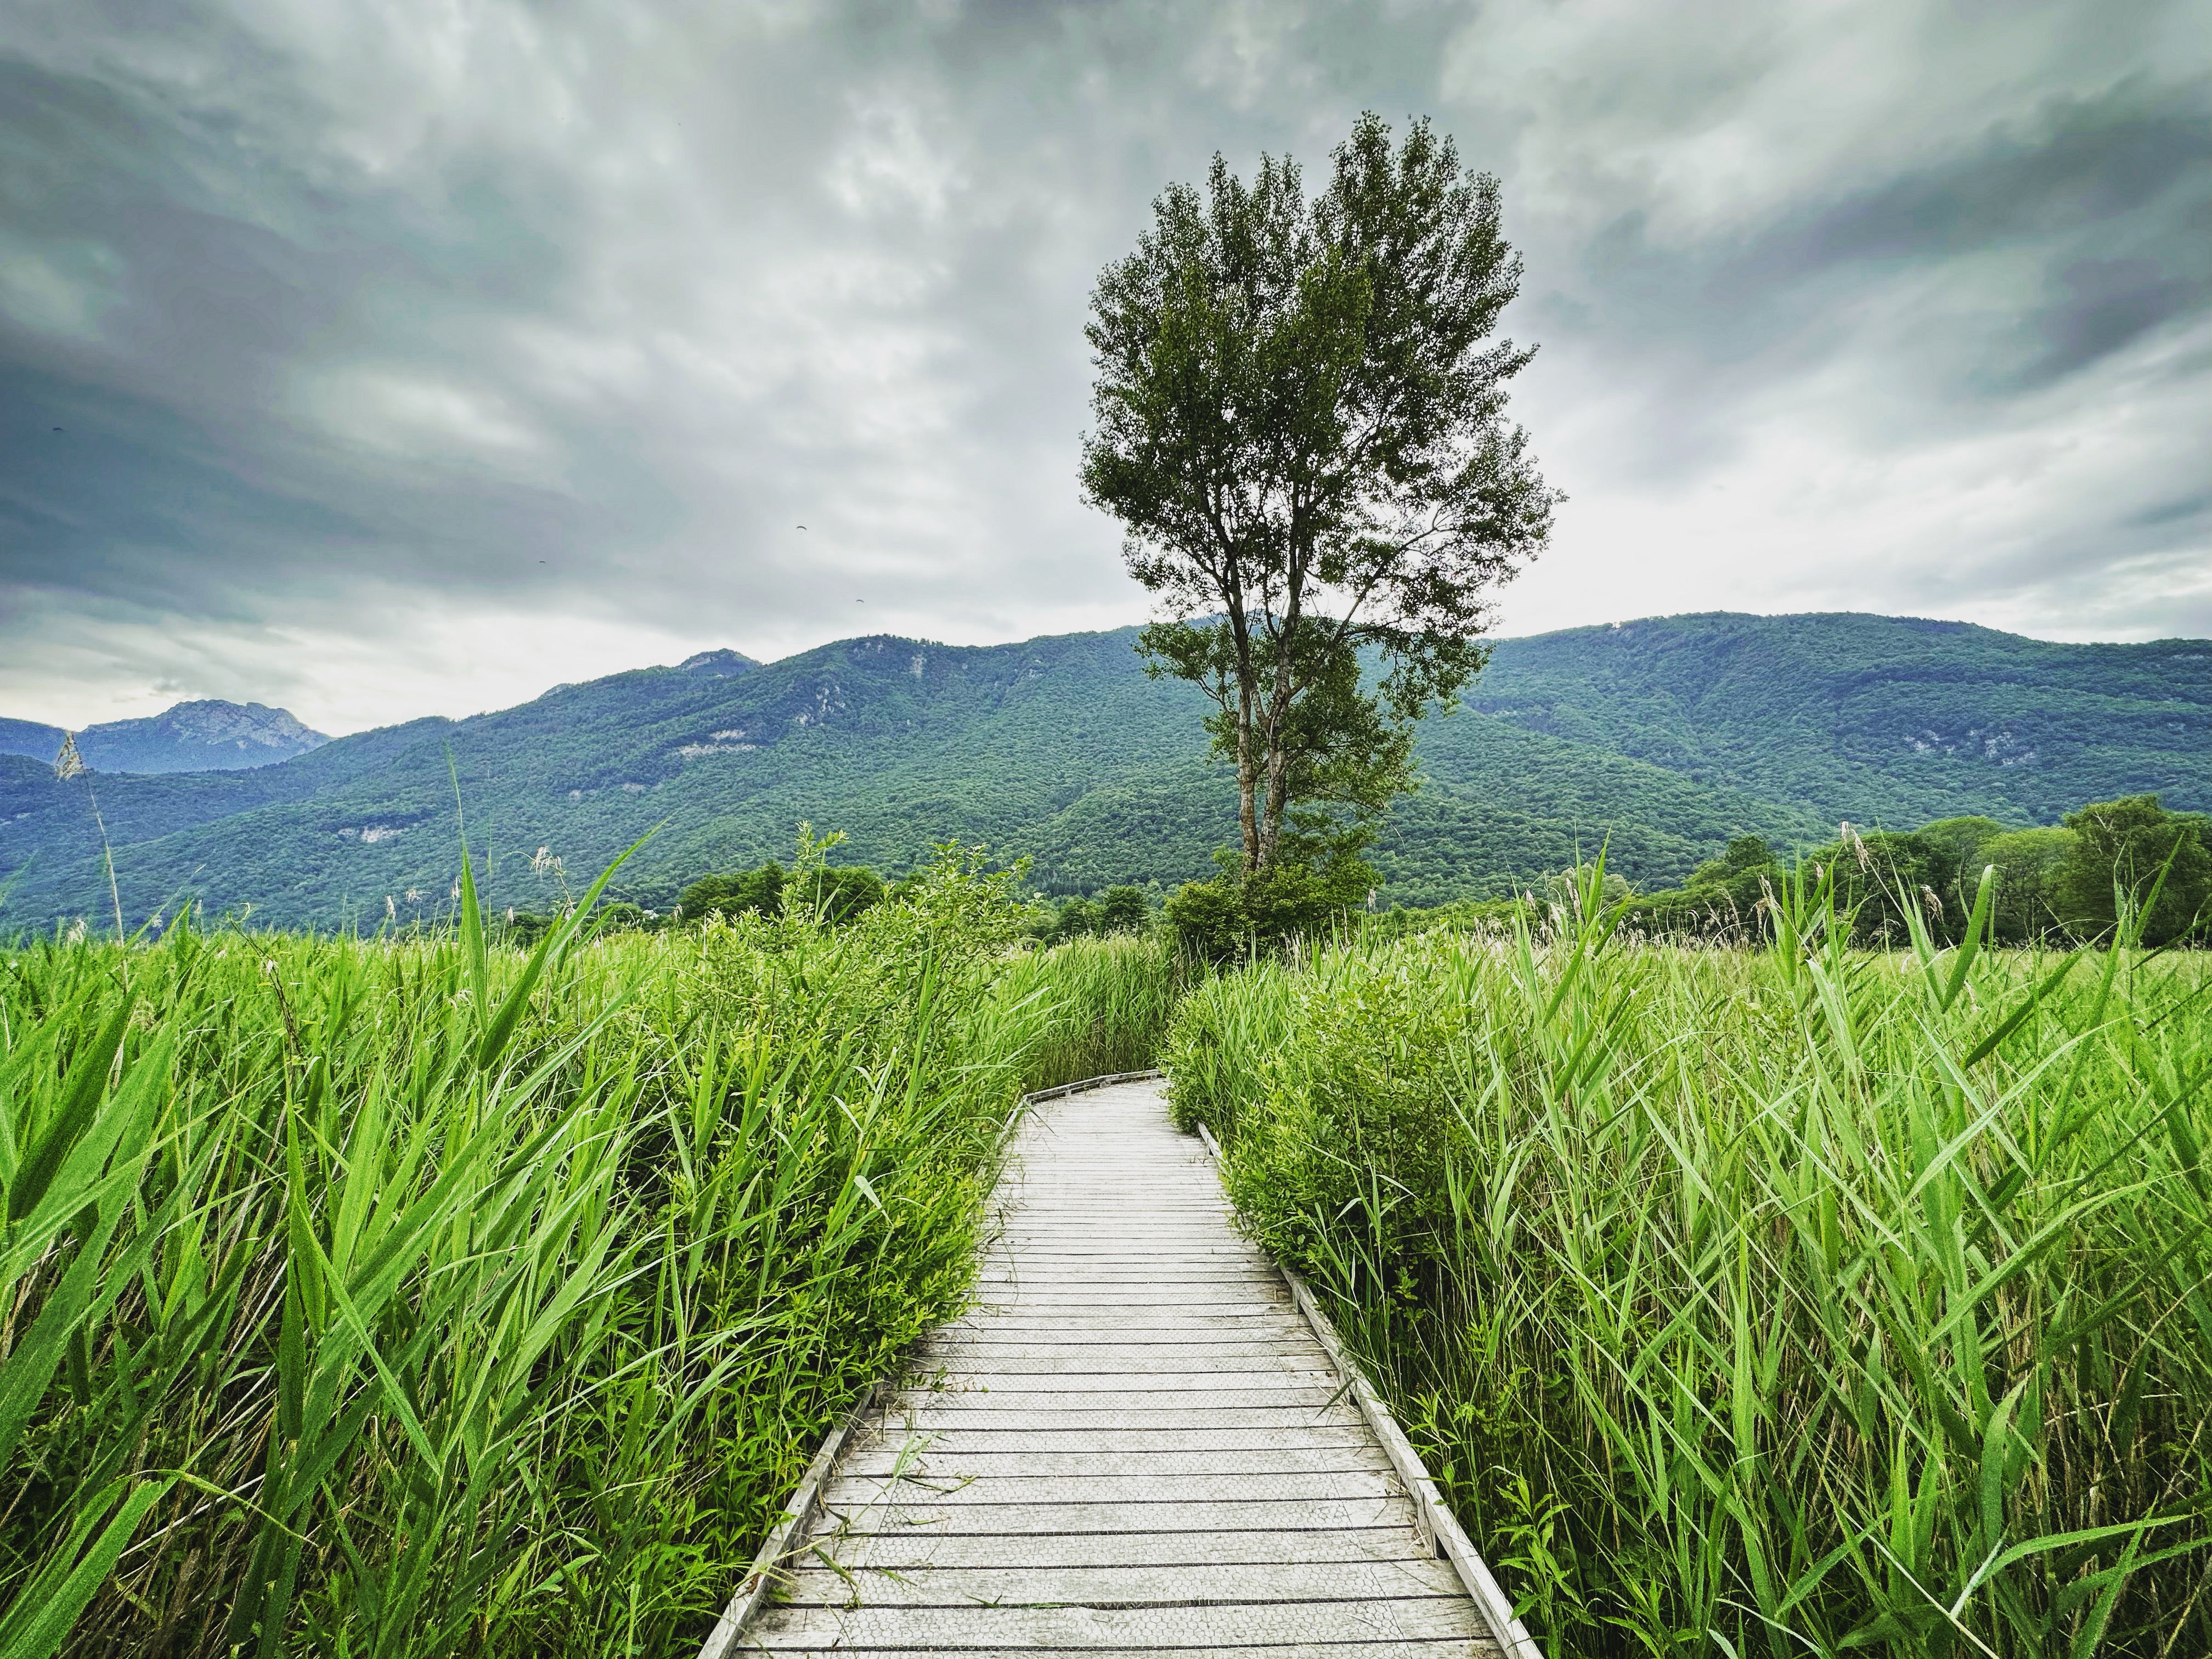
(409, 357)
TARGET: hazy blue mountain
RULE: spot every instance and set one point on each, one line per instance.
(1660, 737)
(30, 739)
(208, 736)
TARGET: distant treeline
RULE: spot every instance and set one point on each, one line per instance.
(840, 893)
(2064, 883)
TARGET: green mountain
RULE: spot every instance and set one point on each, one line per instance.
(1661, 737)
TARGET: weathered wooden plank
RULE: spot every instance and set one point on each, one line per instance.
(1423, 1618)
(1146, 1290)
(1064, 1313)
(1291, 1388)
(990, 1368)
(1227, 1407)
(1129, 1223)
(1163, 1282)
(1121, 1586)
(1152, 1254)
(1299, 1515)
(1228, 1324)
(1157, 1268)
(1210, 1441)
(1173, 1488)
(915, 1550)
(1112, 1207)
(1160, 1265)
(1116, 1428)
(940, 1463)
(1159, 1282)
(1130, 1228)
(1445, 1648)
(1011, 1302)
(1108, 1346)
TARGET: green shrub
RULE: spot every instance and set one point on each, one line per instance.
(1124, 909)
(835, 893)
(1234, 915)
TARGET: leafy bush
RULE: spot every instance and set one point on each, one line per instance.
(757, 890)
(2060, 883)
(1124, 909)
(1234, 916)
(835, 893)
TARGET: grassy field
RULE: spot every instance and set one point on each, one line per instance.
(1799, 1301)
(419, 1296)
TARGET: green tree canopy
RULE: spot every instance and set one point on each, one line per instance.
(1300, 422)
(1124, 909)
(2122, 850)
(836, 892)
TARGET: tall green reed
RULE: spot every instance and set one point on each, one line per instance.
(1802, 1300)
(367, 1297)
(1118, 994)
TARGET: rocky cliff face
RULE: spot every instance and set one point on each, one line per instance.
(211, 736)
(718, 665)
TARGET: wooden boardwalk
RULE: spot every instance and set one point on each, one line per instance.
(1134, 1443)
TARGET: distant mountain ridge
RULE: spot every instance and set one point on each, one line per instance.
(1658, 738)
(206, 736)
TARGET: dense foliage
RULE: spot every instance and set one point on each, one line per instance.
(1237, 914)
(1300, 424)
(2065, 883)
(1761, 1303)
(1659, 739)
(425, 1297)
(835, 893)
(2069, 883)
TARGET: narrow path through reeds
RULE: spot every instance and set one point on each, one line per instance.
(1132, 1441)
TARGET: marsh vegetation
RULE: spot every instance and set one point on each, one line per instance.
(1801, 1299)
(379, 1296)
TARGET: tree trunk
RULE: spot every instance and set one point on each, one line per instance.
(1275, 760)
(1247, 780)
(1277, 769)
(1248, 765)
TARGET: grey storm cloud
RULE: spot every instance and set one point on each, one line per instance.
(411, 354)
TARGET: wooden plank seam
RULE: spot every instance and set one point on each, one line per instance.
(788, 1534)
(1440, 1527)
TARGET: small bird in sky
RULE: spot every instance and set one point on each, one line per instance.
(799, 526)
(61, 428)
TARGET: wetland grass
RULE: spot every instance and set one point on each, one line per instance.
(1796, 1301)
(379, 1298)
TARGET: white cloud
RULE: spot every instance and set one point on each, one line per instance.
(401, 347)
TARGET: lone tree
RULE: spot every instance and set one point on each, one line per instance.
(1300, 424)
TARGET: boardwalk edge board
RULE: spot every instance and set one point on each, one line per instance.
(789, 1533)
(799, 1510)
(1108, 1081)
(1440, 1527)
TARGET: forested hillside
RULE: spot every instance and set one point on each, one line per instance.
(1663, 737)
